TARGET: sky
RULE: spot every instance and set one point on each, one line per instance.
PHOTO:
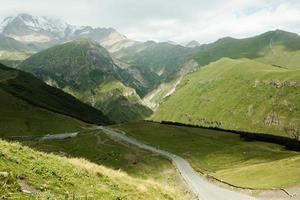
(169, 20)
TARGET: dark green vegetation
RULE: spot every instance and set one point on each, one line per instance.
(19, 118)
(47, 176)
(29, 106)
(237, 95)
(85, 69)
(223, 155)
(289, 143)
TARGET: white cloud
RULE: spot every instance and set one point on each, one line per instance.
(174, 20)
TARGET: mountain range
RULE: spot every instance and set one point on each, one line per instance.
(129, 80)
(91, 107)
(45, 31)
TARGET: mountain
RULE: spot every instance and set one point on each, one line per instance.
(12, 51)
(168, 61)
(29, 106)
(278, 48)
(23, 35)
(86, 70)
(116, 41)
(39, 29)
(192, 44)
(26, 28)
(274, 47)
(237, 94)
(164, 59)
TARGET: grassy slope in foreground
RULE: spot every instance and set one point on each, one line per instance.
(130, 159)
(51, 176)
(28, 88)
(223, 155)
(237, 94)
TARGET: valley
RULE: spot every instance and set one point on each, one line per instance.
(88, 113)
(222, 155)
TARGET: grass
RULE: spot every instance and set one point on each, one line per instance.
(18, 118)
(50, 176)
(280, 56)
(259, 47)
(24, 86)
(103, 151)
(223, 155)
(239, 95)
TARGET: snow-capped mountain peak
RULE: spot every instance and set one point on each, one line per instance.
(25, 28)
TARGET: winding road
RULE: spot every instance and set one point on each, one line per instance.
(201, 187)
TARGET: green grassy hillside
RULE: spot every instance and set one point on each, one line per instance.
(223, 155)
(81, 67)
(278, 48)
(30, 107)
(237, 94)
(19, 118)
(130, 159)
(35, 175)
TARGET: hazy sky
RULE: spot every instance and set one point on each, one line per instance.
(162, 20)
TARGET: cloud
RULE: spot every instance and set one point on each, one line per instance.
(174, 20)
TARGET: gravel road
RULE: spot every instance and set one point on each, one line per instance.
(199, 185)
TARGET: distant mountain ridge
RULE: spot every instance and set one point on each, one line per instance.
(40, 30)
(27, 28)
